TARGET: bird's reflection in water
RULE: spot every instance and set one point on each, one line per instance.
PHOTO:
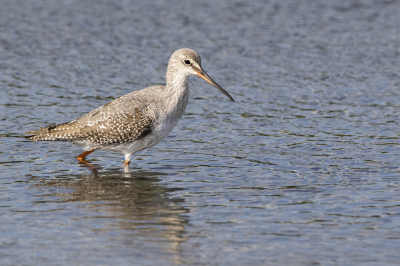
(135, 205)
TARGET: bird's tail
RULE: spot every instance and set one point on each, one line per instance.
(55, 132)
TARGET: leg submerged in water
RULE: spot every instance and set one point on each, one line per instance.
(81, 157)
(127, 159)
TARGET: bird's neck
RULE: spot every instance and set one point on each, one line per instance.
(177, 84)
(177, 93)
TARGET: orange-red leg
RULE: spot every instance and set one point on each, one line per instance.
(126, 167)
(81, 157)
(127, 160)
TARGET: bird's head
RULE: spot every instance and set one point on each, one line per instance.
(187, 62)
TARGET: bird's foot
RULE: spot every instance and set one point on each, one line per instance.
(81, 157)
(82, 160)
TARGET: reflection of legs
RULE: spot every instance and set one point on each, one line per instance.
(81, 157)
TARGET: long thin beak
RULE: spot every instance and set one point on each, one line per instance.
(204, 75)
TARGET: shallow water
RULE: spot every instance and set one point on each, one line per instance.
(301, 170)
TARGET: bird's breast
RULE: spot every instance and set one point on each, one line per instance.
(168, 117)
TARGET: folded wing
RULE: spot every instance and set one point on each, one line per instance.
(115, 122)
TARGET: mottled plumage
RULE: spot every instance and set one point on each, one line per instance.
(101, 126)
(137, 120)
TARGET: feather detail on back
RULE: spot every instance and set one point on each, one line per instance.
(116, 122)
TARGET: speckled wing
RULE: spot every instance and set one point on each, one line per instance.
(119, 121)
(118, 128)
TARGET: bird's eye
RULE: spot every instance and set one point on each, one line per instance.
(187, 62)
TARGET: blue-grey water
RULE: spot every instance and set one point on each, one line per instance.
(303, 169)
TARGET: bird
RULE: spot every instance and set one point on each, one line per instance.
(135, 121)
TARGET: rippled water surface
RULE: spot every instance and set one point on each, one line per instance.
(303, 169)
